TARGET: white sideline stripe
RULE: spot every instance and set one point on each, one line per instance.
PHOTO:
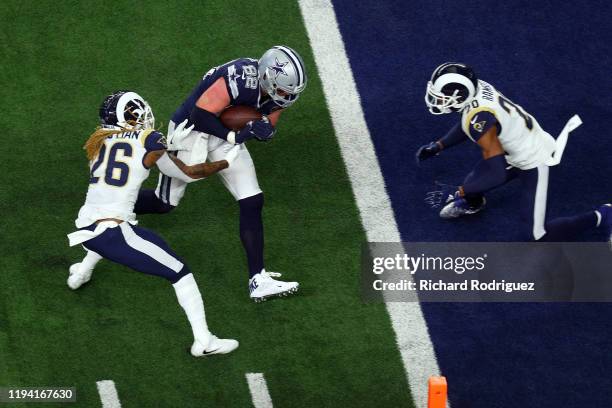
(259, 390)
(108, 394)
(149, 248)
(367, 182)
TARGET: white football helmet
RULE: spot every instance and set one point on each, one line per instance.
(282, 75)
(126, 109)
(451, 88)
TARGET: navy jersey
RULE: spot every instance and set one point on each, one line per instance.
(242, 83)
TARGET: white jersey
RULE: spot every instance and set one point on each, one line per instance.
(116, 175)
(526, 144)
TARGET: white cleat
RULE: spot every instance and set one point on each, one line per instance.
(215, 346)
(262, 286)
(78, 277)
(459, 207)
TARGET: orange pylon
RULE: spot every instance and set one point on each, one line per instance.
(437, 392)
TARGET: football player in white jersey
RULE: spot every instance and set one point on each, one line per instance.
(269, 84)
(121, 153)
(513, 146)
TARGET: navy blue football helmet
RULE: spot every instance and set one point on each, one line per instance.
(451, 88)
(126, 109)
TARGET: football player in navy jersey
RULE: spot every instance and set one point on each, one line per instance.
(121, 153)
(270, 84)
(513, 145)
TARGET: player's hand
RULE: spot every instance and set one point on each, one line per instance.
(264, 131)
(427, 151)
(261, 130)
(232, 154)
(178, 136)
(443, 195)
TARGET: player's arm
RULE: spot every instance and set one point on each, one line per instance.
(453, 137)
(154, 143)
(489, 144)
(174, 167)
(211, 103)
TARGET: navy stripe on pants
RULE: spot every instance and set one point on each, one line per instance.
(139, 249)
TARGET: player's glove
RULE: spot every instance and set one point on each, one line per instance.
(261, 130)
(175, 140)
(442, 195)
(428, 151)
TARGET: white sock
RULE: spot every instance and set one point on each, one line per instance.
(598, 214)
(190, 299)
(90, 261)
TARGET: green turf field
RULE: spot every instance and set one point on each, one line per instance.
(320, 348)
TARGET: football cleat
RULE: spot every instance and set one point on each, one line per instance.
(606, 220)
(262, 286)
(215, 346)
(458, 206)
(78, 277)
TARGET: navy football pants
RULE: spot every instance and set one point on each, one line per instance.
(139, 249)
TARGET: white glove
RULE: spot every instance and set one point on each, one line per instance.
(178, 136)
(232, 154)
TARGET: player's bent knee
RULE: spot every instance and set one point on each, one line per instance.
(149, 203)
(164, 208)
(180, 275)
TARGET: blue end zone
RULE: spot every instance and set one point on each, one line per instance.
(495, 355)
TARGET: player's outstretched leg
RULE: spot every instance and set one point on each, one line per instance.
(533, 211)
(252, 231)
(605, 220)
(241, 181)
(80, 273)
(146, 252)
(262, 284)
(190, 299)
(567, 228)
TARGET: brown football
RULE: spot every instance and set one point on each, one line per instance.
(236, 117)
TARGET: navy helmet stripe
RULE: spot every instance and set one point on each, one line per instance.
(294, 60)
(438, 70)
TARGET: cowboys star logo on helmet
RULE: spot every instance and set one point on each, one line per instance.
(278, 68)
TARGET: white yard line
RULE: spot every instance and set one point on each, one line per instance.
(367, 182)
(259, 390)
(108, 394)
